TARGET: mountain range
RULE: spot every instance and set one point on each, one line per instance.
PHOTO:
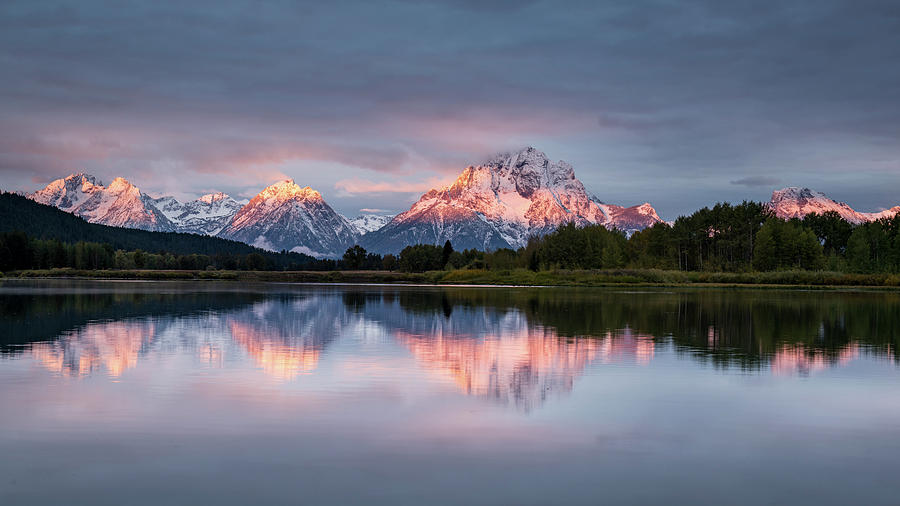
(497, 204)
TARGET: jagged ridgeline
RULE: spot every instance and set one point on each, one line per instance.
(40, 221)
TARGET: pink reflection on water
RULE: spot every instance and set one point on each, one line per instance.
(791, 359)
(279, 358)
(521, 367)
(113, 347)
(624, 346)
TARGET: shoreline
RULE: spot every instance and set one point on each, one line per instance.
(813, 280)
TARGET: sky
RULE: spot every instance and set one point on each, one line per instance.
(679, 103)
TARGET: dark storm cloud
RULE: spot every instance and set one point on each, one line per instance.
(694, 95)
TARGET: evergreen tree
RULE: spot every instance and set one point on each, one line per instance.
(858, 250)
(445, 255)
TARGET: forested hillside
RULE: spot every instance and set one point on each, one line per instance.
(50, 225)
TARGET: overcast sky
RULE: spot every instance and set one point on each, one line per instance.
(679, 103)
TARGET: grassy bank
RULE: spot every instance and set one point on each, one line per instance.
(646, 277)
(667, 278)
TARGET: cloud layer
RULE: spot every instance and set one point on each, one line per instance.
(673, 102)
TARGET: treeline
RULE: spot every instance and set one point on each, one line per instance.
(18, 251)
(725, 238)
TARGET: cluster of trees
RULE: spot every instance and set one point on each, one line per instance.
(419, 258)
(357, 258)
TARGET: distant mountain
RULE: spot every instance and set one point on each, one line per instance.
(365, 223)
(502, 202)
(286, 216)
(794, 202)
(629, 219)
(207, 215)
(121, 204)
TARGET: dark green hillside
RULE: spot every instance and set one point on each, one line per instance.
(39, 221)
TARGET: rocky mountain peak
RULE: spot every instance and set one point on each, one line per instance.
(72, 182)
(288, 190)
(120, 185)
(83, 177)
(796, 193)
(286, 216)
(502, 202)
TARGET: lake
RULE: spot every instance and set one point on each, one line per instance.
(225, 393)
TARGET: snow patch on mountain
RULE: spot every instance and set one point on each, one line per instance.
(365, 223)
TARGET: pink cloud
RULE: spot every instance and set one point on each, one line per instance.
(356, 186)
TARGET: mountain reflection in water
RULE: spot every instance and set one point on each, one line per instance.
(515, 347)
(112, 347)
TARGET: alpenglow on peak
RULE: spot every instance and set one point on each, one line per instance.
(285, 216)
(287, 189)
(502, 202)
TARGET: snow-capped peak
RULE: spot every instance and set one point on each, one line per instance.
(288, 190)
(526, 155)
(83, 177)
(120, 184)
(504, 201)
(286, 216)
(796, 193)
(72, 181)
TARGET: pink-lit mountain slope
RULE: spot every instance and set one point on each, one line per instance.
(502, 202)
(286, 216)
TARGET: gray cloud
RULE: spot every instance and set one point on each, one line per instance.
(757, 181)
(227, 94)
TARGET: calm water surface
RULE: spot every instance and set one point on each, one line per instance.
(204, 393)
